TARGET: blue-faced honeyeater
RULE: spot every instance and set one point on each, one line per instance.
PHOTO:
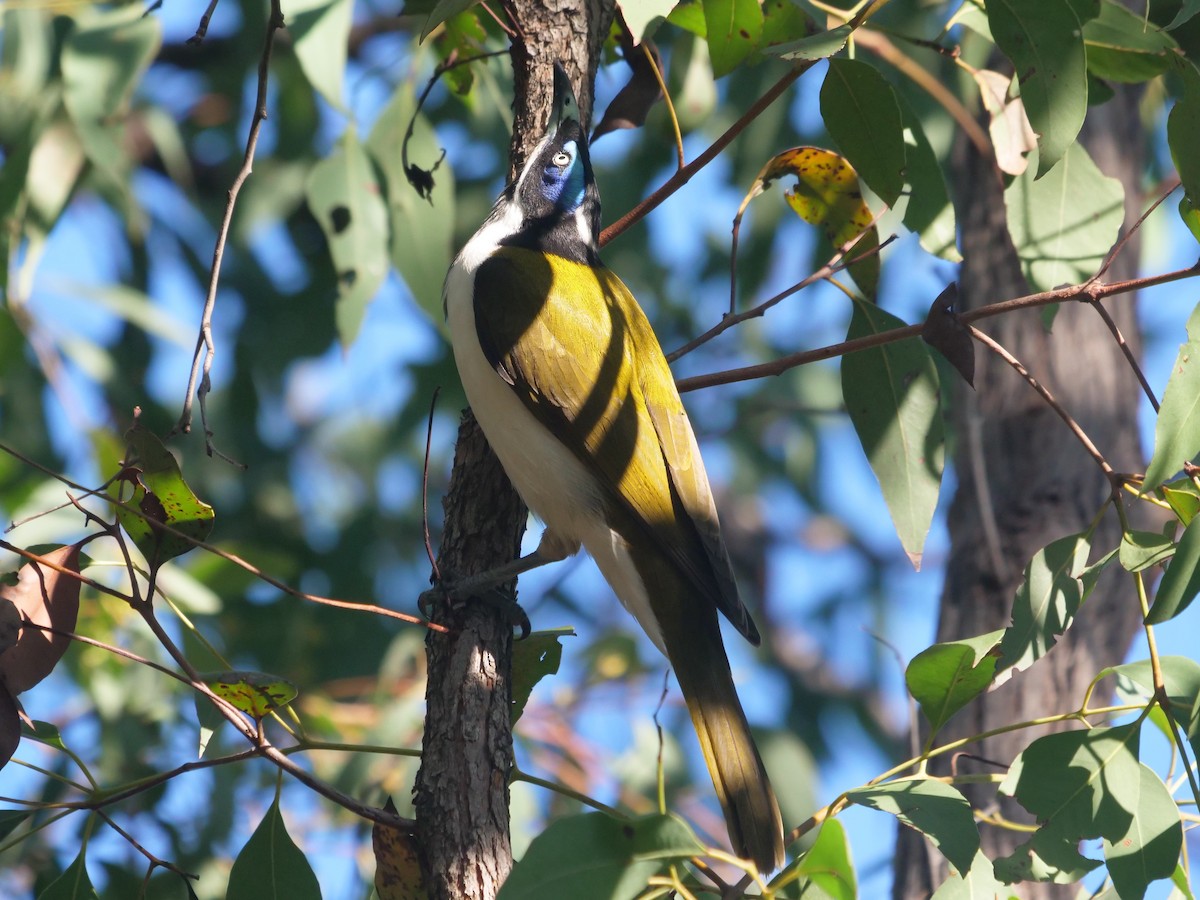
(571, 388)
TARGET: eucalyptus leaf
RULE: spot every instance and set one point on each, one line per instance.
(947, 676)
(270, 866)
(1177, 430)
(826, 867)
(1149, 850)
(892, 396)
(862, 114)
(73, 883)
(320, 31)
(934, 808)
(1181, 583)
(1142, 549)
(534, 657)
(1045, 43)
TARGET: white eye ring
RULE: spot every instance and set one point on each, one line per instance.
(561, 159)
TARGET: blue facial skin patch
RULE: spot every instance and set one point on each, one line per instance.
(564, 187)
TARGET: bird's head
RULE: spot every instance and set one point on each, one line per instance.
(556, 192)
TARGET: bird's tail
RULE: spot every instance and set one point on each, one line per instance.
(751, 810)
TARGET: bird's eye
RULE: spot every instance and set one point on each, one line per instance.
(561, 159)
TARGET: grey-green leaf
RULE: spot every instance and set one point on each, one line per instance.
(271, 866)
(422, 231)
(892, 396)
(1044, 40)
(1149, 850)
(345, 198)
(1123, 46)
(597, 857)
(1142, 549)
(861, 113)
(1177, 431)
(73, 884)
(826, 869)
(320, 31)
(1064, 224)
(1050, 593)
(1182, 582)
(976, 883)
(534, 658)
(946, 677)
(934, 808)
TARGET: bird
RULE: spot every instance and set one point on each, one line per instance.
(571, 388)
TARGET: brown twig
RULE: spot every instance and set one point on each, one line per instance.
(206, 349)
(1085, 292)
(662, 86)
(202, 28)
(684, 175)
(155, 862)
(836, 264)
(1127, 351)
(1058, 408)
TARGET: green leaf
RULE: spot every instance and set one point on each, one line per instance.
(271, 866)
(44, 733)
(976, 883)
(929, 211)
(10, 819)
(1149, 850)
(826, 867)
(734, 28)
(1187, 10)
(596, 857)
(1044, 40)
(320, 31)
(422, 232)
(163, 497)
(104, 56)
(534, 658)
(442, 11)
(1183, 136)
(1183, 497)
(1181, 583)
(345, 199)
(1181, 678)
(1177, 431)
(1122, 46)
(1143, 549)
(861, 113)
(814, 46)
(891, 394)
(934, 808)
(254, 693)
(1052, 590)
(946, 677)
(1064, 224)
(73, 884)
(783, 22)
(644, 16)
(1181, 882)
(1079, 785)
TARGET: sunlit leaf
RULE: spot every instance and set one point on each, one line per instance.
(441, 12)
(826, 867)
(1008, 125)
(817, 46)
(596, 857)
(1045, 43)
(1181, 678)
(270, 866)
(163, 497)
(1183, 497)
(254, 693)
(1064, 223)
(1080, 785)
(929, 211)
(422, 231)
(644, 16)
(1177, 431)
(346, 200)
(934, 808)
(892, 396)
(1149, 850)
(1123, 46)
(946, 677)
(1052, 589)
(733, 30)
(320, 30)
(103, 58)
(861, 113)
(1140, 550)
(976, 883)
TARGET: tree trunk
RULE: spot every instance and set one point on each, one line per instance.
(1024, 481)
(461, 791)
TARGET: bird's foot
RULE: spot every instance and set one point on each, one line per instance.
(489, 587)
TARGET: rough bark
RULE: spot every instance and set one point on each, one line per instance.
(461, 792)
(1024, 481)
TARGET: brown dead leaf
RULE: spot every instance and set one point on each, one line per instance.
(10, 726)
(44, 597)
(397, 867)
(946, 334)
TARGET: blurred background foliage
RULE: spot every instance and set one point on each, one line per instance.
(110, 228)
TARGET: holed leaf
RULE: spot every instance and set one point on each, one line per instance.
(534, 658)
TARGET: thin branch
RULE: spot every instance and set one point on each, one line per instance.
(202, 28)
(1083, 292)
(205, 347)
(684, 175)
(662, 86)
(1058, 408)
(1133, 229)
(1127, 351)
(154, 860)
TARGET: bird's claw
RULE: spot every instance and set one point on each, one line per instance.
(457, 594)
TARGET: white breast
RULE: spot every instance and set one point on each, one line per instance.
(547, 475)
